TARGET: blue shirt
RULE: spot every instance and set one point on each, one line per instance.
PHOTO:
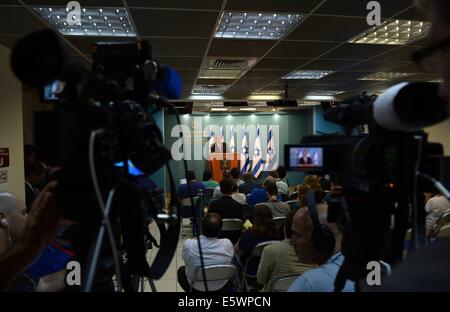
(258, 195)
(183, 191)
(322, 278)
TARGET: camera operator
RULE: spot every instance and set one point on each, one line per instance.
(23, 237)
(429, 271)
(317, 252)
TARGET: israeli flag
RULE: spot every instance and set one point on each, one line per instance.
(316, 158)
(232, 144)
(211, 139)
(271, 158)
(257, 163)
(245, 159)
(223, 136)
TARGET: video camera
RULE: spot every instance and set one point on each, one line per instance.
(380, 170)
(102, 119)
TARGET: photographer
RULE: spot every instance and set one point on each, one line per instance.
(430, 268)
(23, 237)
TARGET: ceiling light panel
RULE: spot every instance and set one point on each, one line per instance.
(209, 89)
(111, 22)
(268, 26)
(386, 76)
(397, 32)
(308, 74)
(268, 92)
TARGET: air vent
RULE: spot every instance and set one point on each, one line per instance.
(226, 67)
(209, 89)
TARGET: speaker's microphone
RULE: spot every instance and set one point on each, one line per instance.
(410, 107)
(41, 57)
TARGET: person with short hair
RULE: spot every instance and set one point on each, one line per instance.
(208, 181)
(226, 174)
(225, 205)
(196, 186)
(249, 184)
(239, 197)
(282, 186)
(330, 259)
(215, 251)
(278, 260)
(259, 194)
(235, 174)
(278, 208)
(282, 174)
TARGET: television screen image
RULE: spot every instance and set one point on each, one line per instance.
(306, 157)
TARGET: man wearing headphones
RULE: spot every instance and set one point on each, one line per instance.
(23, 237)
(317, 242)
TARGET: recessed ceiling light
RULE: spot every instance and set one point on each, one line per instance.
(248, 109)
(319, 98)
(397, 32)
(264, 97)
(97, 21)
(256, 25)
(308, 74)
(386, 76)
(219, 109)
(268, 92)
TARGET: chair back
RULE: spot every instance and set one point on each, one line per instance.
(279, 222)
(281, 284)
(444, 232)
(218, 272)
(293, 204)
(232, 225)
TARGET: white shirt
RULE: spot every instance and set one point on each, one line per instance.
(282, 187)
(215, 251)
(435, 208)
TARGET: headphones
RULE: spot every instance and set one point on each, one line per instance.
(322, 238)
(5, 223)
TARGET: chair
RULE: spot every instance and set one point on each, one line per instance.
(440, 223)
(188, 213)
(293, 196)
(247, 209)
(255, 255)
(444, 232)
(279, 222)
(293, 204)
(218, 272)
(231, 229)
(281, 284)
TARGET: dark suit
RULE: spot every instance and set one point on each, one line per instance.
(301, 161)
(224, 148)
(247, 187)
(226, 207)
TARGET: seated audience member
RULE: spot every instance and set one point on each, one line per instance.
(282, 186)
(330, 259)
(263, 229)
(248, 184)
(235, 174)
(335, 191)
(239, 197)
(183, 191)
(225, 175)
(22, 237)
(225, 205)
(321, 204)
(282, 174)
(279, 260)
(302, 189)
(435, 207)
(208, 182)
(259, 194)
(35, 177)
(215, 251)
(309, 179)
(278, 208)
(325, 184)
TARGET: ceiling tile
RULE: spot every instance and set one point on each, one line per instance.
(412, 14)
(358, 7)
(181, 62)
(177, 4)
(326, 28)
(174, 23)
(373, 66)
(215, 81)
(322, 64)
(178, 47)
(408, 68)
(280, 63)
(18, 21)
(245, 48)
(304, 6)
(265, 74)
(357, 51)
(300, 49)
(95, 3)
(403, 54)
(343, 76)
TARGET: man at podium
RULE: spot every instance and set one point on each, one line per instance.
(219, 146)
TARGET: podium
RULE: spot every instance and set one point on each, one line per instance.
(218, 162)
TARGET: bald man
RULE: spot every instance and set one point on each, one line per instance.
(320, 279)
(23, 237)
